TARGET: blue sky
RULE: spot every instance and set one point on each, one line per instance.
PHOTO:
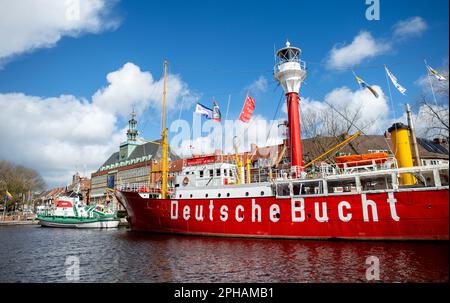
(219, 48)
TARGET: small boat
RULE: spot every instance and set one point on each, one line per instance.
(364, 159)
(70, 213)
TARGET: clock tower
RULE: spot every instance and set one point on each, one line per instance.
(127, 147)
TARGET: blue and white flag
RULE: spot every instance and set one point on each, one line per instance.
(203, 110)
(394, 80)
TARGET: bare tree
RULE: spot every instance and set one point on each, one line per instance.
(434, 110)
(334, 123)
(19, 180)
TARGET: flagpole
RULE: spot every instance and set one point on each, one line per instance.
(429, 80)
(228, 106)
(4, 207)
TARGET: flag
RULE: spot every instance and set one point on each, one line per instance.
(365, 85)
(216, 115)
(247, 110)
(9, 196)
(432, 71)
(394, 80)
(203, 110)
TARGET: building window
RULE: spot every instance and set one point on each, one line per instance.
(201, 174)
(225, 172)
(218, 172)
(211, 173)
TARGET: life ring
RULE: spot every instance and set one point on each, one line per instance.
(185, 181)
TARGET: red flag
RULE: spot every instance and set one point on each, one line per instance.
(247, 110)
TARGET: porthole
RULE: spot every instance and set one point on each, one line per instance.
(191, 195)
(228, 194)
(219, 194)
(206, 196)
(246, 193)
(180, 195)
(262, 193)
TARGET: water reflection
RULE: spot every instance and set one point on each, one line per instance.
(34, 254)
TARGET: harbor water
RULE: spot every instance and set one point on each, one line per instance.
(37, 254)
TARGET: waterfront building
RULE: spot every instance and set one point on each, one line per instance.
(135, 164)
(81, 184)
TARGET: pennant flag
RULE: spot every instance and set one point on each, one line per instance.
(203, 110)
(433, 72)
(247, 110)
(216, 115)
(394, 80)
(365, 85)
(9, 196)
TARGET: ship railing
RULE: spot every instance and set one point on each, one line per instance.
(326, 169)
(277, 66)
(436, 176)
(142, 187)
(352, 167)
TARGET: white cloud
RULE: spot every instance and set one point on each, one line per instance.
(362, 47)
(413, 26)
(365, 46)
(129, 86)
(58, 135)
(27, 25)
(373, 111)
(258, 86)
(319, 118)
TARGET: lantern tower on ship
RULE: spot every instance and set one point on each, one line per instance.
(290, 72)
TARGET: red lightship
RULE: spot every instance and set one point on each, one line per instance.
(376, 197)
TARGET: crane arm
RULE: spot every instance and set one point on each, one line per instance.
(334, 148)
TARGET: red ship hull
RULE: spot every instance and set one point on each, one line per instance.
(403, 215)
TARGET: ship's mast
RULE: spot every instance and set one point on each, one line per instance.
(413, 134)
(164, 139)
